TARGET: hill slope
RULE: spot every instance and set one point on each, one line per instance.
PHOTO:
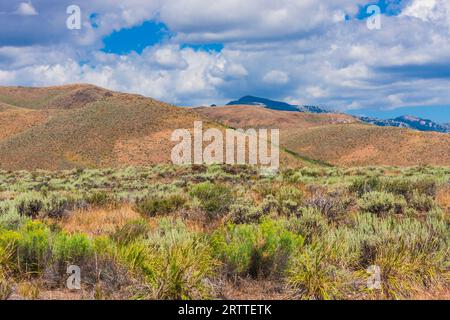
(340, 139)
(86, 126)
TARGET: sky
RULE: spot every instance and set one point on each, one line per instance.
(199, 52)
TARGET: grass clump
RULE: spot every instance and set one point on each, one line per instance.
(133, 230)
(314, 277)
(182, 263)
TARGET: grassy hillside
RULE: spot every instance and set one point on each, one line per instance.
(340, 139)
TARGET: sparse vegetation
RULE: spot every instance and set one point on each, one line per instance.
(168, 232)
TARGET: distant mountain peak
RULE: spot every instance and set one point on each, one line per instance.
(275, 105)
(408, 118)
(408, 121)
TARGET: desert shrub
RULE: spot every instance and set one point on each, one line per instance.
(256, 250)
(421, 202)
(265, 188)
(289, 199)
(162, 205)
(314, 278)
(10, 219)
(310, 223)
(407, 187)
(332, 205)
(131, 231)
(268, 206)
(215, 199)
(244, 213)
(363, 185)
(101, 199)
(30, 205)
(381, 203)
(56, 206)
(180, 262)
(67, 249)
(426, 186)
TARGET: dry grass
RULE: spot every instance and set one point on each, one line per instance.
(99, 221)
(443, 197)
(18, 120)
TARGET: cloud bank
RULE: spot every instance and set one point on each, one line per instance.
(305, 52)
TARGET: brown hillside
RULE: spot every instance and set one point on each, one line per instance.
(58, 97)
(86, 126)
(340, 139)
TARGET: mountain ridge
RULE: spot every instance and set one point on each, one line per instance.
(405, 121)
(276, 105)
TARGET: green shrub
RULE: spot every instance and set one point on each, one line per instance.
(33, 246)
(421, 202)
(244, 213)
(256, 250)
(381, 203)
(101, 199)
(215, 199)
(333, 205)
(407, 187)
(10, 218)
(310, 223)
(159, 205)
(363, 185)
(135, 255)
(69, 249)
(289, 199)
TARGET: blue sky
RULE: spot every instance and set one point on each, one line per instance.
(191, 52)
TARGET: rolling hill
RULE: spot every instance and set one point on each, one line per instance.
(340, 139)
(86, 126)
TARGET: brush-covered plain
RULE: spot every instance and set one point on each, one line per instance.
(225, 232)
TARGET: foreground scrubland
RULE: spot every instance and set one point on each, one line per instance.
(224, 232)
